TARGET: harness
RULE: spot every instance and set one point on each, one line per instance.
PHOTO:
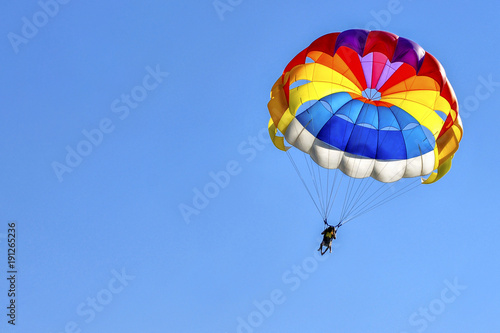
(329, 225)
(332, 233)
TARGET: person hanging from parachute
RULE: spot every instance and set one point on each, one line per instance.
(329, 234)
(368, 105)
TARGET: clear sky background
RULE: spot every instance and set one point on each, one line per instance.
(102, 245)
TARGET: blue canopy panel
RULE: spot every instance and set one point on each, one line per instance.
(364, 129)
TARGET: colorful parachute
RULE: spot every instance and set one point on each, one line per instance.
(370, 104)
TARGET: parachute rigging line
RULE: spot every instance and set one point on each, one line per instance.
(303, 182)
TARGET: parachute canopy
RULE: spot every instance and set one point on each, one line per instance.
(370, 104)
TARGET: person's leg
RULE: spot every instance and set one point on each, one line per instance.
(324, 251)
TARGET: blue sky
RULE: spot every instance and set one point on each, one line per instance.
(161, 97)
